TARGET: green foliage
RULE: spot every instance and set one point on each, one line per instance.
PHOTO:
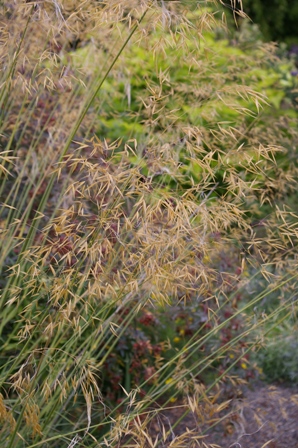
(278, 359)
(277, 19)
(211, 97)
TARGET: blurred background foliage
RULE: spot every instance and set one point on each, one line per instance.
(277, 19)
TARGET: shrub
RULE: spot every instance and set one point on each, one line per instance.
(274, 20)
(277, 19)
(278, 359)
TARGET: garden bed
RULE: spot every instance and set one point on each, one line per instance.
(260, 415)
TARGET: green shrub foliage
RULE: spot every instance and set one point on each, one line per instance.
(277, 19)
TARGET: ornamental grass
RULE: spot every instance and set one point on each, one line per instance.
(148, 218)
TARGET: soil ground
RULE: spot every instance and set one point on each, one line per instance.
(262, 416)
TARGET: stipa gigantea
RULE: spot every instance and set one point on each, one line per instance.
(98, 227)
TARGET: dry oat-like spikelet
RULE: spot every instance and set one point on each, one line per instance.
(142, 190)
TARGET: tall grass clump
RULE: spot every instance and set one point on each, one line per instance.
(147, 217)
